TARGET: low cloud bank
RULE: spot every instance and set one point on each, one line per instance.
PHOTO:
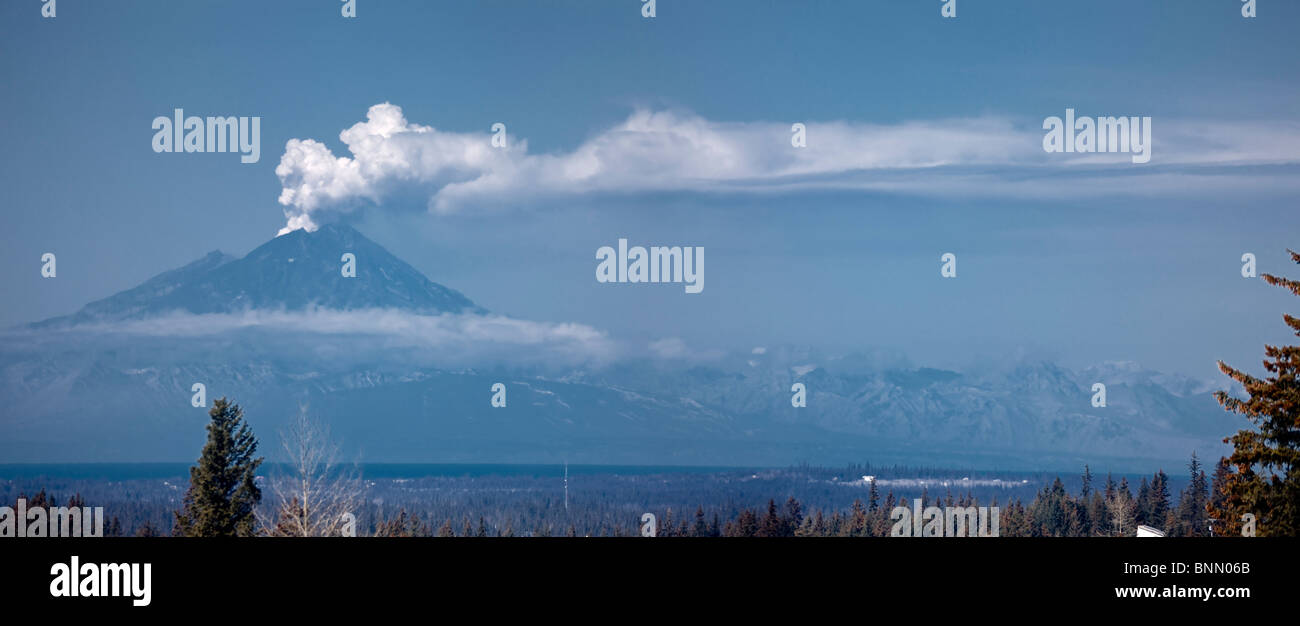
(464, 339)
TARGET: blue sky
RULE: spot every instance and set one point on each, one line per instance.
(1132, 264)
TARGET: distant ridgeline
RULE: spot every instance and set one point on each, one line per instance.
(112, 382)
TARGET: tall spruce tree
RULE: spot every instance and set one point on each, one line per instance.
(1085, 505)
(223, 492)
(771, 525)
(1158, 501)
(1143, 504)
(1098, 522)
(1265, 475)
(1191, 513)
(1218, 491)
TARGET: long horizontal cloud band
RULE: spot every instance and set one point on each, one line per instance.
(456, 338)
(672, 151)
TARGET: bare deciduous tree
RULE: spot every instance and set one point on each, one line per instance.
(1122, 515)
(318, 496)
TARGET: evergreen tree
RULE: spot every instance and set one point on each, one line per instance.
(1158, 501)
(884, 516)
(1074, 524)
(819, 528)
(1265, 475)
(1192, 505)
(835, 525)
(746, 524)
(1049, 511)
(1097, 519)
(1143, 505)
(772, 525)
(1218, 497)
(805, 528)
(858, 520)
(1086, 519)
(223, 493)
(404, 525)
(793, 517)
(701, 528)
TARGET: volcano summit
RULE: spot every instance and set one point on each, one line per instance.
(293, 272)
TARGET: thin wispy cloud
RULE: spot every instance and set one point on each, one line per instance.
(462, 339)
(393, 335)
(656, 151)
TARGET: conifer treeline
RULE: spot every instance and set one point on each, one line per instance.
(1098, 508)
(1109, 510)
(1112, 510)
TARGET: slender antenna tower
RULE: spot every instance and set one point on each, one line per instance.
(566, 487)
